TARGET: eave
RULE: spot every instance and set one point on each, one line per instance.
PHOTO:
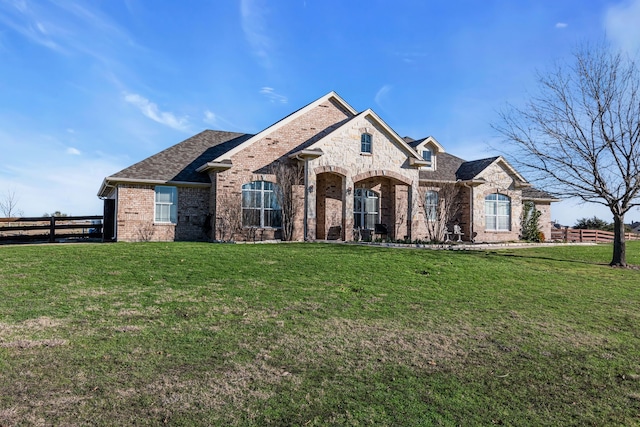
(112, 181)
(307, 154)
(215, 166)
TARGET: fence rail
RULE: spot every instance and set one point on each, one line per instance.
(50, 229)
(593, 236)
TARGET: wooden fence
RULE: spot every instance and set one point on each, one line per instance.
(594, 236)
(50, 229)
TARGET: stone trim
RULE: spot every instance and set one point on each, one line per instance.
(331, 169)
(382, 173)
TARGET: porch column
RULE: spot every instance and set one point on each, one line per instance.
(347, 210)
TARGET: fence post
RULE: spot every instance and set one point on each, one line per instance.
(52, 229)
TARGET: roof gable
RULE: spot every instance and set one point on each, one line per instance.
(470, 170)
(428, 141)
(331, 96)
(401, 142)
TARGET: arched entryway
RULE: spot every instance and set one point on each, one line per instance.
(330, 206)
(382, 198)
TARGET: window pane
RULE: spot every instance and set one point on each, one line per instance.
(357, 204)
(371, 205)
(273, 218)
(251, 218)
(490, 208)
(491, 222)
(357, 220)
(503, 208)
(165, 194)
(365, 143)
(426, 154)
(503, 223)
(371, 220)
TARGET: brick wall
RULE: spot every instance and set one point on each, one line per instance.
(136, 209)
(497, 181)
(254, 162)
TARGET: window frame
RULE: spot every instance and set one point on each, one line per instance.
(159, 215)
(428, 158)
(253, 206)
(366, 143)
(360, 212)
(492, 204)
(431, 205)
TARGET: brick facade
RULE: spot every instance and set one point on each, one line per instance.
(209, 208)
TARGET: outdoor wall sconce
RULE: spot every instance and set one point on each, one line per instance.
(349, 191)
(310, 189)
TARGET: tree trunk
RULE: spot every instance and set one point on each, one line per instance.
(619, 244)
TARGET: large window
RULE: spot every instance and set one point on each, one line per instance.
(365, 143)
(431, 205)
(497, 209)
(365, 209)
(166, 204)
(260, 207)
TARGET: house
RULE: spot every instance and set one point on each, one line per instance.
(357, 177)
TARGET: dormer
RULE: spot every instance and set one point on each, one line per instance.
(428, 148)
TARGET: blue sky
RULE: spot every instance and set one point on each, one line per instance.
(90, 87)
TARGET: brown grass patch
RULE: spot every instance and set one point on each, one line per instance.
(55, 342)
(361, 345)
(128, 328)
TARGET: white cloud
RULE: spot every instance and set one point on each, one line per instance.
(253, 22)
(273, 96)
(152, 111)
(621, 23)
(561, 25)
(73, 151)
(210, 118)
(219, 121)
(381, 95)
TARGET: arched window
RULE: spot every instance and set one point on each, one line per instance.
(365, 143)
(497, 209)
(260, 207)
(431, 205)
(365, 209)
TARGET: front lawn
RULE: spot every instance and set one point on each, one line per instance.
(317, 334)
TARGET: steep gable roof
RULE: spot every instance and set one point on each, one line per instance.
(179, 162)
(448, 165)
(429, 139)
(470, 170)
(414, 156)
(330, 96)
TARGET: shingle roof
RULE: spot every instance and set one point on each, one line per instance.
(470, 170)
(447, 165)
(179, 162)
(532, 193)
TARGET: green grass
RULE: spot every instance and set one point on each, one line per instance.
(317, 334)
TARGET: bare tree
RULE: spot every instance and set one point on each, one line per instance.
(9, 204)
(441, 207)
(288, 175)
(580, 135)
(228, 217)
